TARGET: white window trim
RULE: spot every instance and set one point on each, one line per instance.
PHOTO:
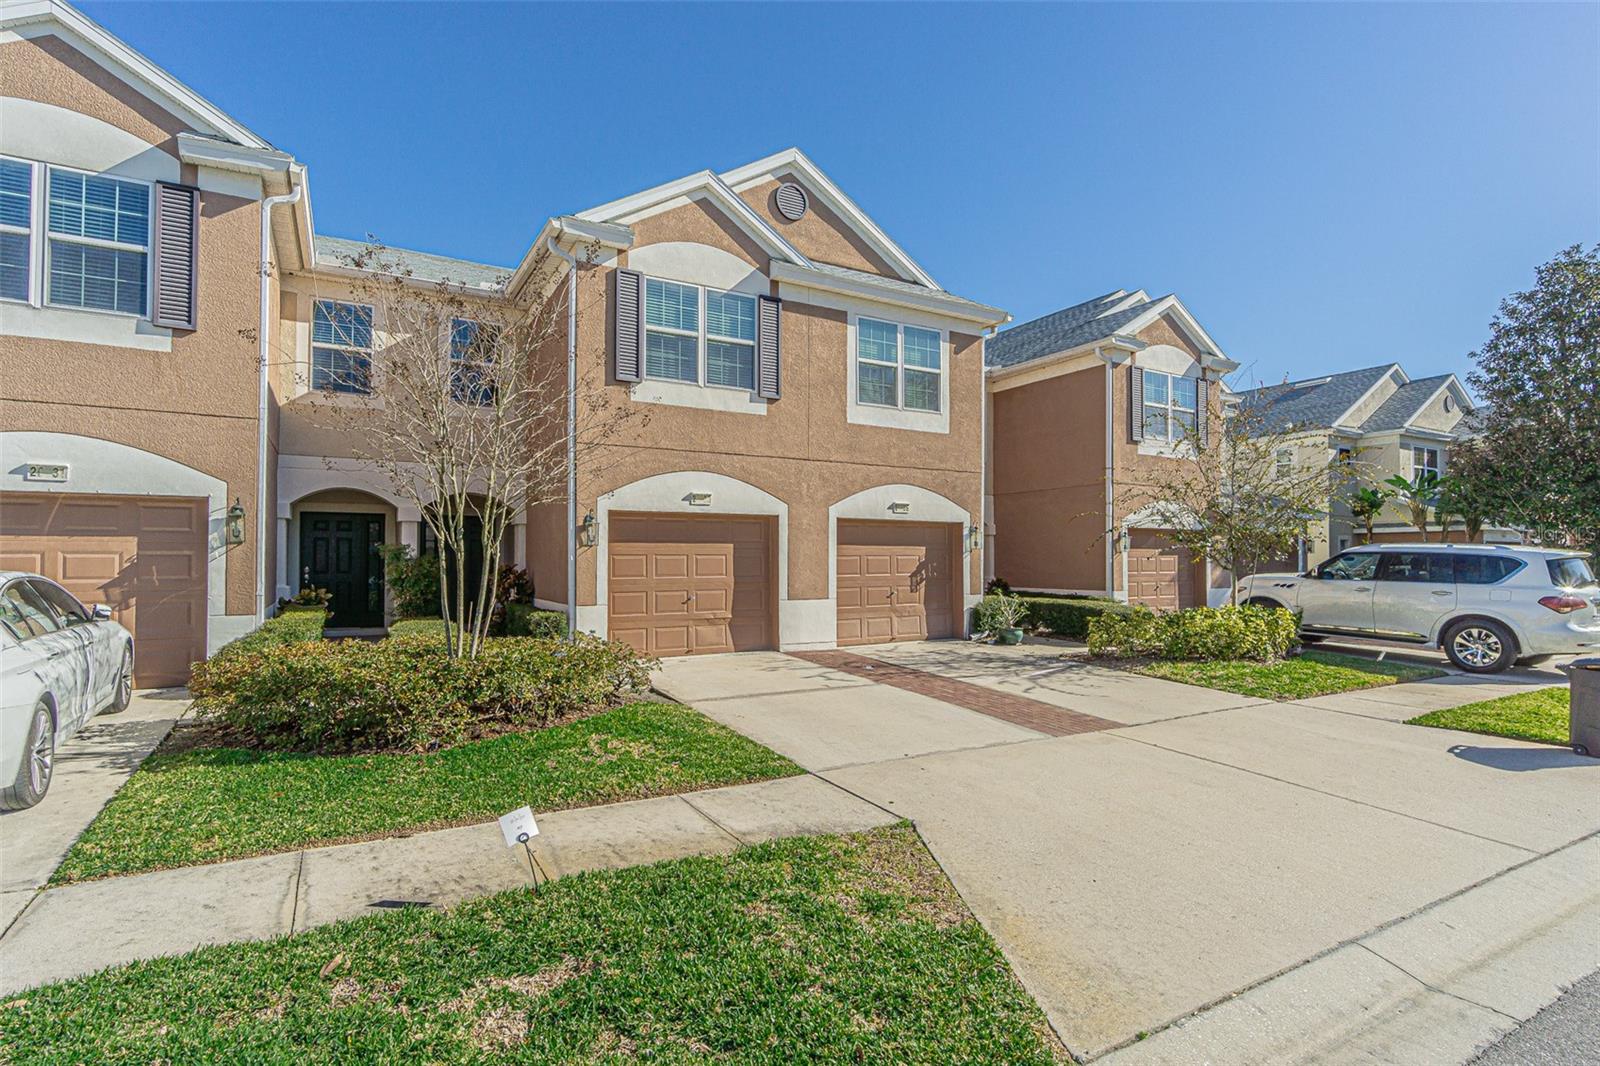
(1171, 407)
(35, 266)
(700, 335)
(314, 344)
(896, 417)
(41, 219)
(1438, 461)
(899, 365)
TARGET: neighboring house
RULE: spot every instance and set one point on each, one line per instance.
(1381, 419)
(810, 473)
(1086, 403)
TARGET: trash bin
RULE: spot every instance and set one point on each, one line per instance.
(1584, 676)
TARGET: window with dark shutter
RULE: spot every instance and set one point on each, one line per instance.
(1136, 404)
(176, 242)
(769, 356)
(1203, 414)
(627, 362)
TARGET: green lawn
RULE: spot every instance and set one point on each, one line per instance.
(851, 949)
(212, 804)
(1541, 714)
(1313, 673)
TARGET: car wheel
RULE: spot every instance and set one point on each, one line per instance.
(122, 694)
(1480, 647)
(38, 762)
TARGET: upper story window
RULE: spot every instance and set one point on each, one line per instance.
(341, 347)
(1283, 462)
(1423, 461)
(99, 246)
(16, 229)
(471, 357)
(1170, 406)
(898, 366)
(682, 321)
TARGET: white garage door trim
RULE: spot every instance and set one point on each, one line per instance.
(105, 467)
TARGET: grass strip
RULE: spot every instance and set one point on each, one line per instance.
(1543, 715)
(1313, 673)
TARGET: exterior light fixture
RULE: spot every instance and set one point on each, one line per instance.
(699, 499)
(586, 531)
(974, 537)
(233, 524)
(899, 507)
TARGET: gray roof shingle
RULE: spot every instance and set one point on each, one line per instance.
(1407, 400)
(336, 251)
(1069, 327)
(1315, 402)
(896, 284)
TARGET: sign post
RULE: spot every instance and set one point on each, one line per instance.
(518, 827)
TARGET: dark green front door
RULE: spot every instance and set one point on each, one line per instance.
(339, 552)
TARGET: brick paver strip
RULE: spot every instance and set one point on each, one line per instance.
(1018, 710)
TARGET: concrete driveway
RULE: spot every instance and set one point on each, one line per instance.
(1193, 845)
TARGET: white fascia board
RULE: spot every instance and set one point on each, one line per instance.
(100, 45)
(209, 152)
(1394, 368)
(641, 204)
(577, 231)
(1211, 357)
(741, 178)
(1114, 350)
(936, 301)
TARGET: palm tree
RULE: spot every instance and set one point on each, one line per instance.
(1418, 494)
(1366, 504)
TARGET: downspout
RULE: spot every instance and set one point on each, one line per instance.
(1110, 474)
(267, 204)
(572, 432)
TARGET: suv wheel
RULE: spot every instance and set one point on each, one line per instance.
(1480, 646)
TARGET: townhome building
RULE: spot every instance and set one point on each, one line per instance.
(1387, 423)
(1089, 407)
(810, 473)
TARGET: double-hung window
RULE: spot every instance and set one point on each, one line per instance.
(1423, 462)
(16, 230)
(99, 247)
(341, 347)
(1170, 406)
(471, 362)
(898, 366)
(1283, 463)
(682, 321)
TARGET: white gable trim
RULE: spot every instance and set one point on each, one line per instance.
(641, 205)
(1451, 383)
(36, 18)
(741, 178)
(1394, 368)
(1213, 358)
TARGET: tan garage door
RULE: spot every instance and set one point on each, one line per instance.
(1161, 575)
(895, 582)
(145, 556)
(691, 586)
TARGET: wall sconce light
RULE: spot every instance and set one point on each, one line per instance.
(699, 499)
(974, 538)
(233, 524)
(899, 507)
(586, 531)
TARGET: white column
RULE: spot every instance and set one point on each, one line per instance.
(281, 578)
(411, 535)
(519, 544)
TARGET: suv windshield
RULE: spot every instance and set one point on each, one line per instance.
(1357, 566)
(1571, 573)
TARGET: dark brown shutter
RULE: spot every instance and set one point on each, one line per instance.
(176, 241)
(1136, 402)
(629, 356)
(1202, 412)
(769, 361)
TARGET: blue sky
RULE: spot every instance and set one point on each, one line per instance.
(1325, 186)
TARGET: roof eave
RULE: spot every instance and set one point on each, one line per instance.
(934, 300)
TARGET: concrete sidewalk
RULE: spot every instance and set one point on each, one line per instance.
(89, 769)
(81, 928)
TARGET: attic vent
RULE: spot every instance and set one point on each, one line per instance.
(1449, 404)
(791, 200)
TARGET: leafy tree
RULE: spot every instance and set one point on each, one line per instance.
(1538, 375)
(1366, 503)
(1464, 493)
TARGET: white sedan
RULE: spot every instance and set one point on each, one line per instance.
(61, 663)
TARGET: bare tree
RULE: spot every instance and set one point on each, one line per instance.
(1247, 495)
(463, 408)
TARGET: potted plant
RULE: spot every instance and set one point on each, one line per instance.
(1001, 616)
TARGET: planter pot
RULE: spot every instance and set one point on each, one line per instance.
(1008, 636)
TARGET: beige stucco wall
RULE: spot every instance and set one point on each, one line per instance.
(195, 404)
(819, 234)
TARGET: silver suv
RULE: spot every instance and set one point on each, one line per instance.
(1486, 605)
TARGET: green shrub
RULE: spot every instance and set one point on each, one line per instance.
(413, 581)
(420, 627)
(292, 625)
(999, 611)
(405, 694)
(1262, 634)
(526, 620)
(1068, 616)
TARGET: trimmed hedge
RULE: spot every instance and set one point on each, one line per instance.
(1067, 616)
(526, 620)
(1261, 634)
(419, 627)
(292, 625)
(403, 694)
